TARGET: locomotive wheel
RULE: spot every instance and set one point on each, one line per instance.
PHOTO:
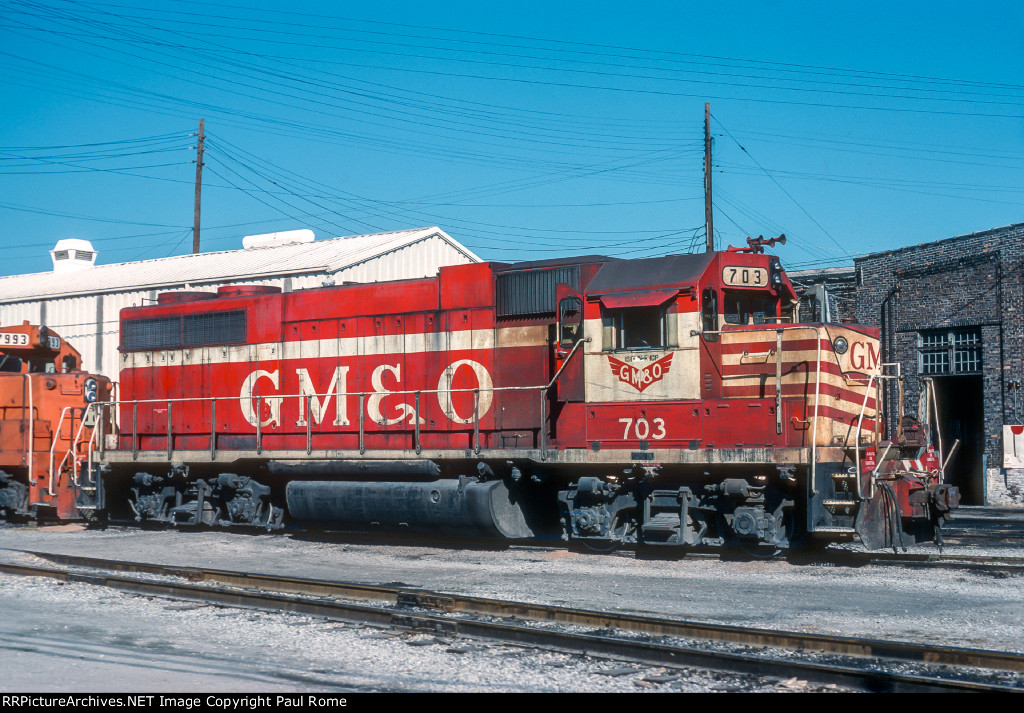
(760, 551)
(602, 547)
(619, 531)
(763, 551)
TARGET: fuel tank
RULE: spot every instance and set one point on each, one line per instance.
(458, 507)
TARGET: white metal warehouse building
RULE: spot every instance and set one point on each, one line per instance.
(83, 304)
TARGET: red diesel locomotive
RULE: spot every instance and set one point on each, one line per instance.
(671, 401)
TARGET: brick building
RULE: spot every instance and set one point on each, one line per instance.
(950, 314)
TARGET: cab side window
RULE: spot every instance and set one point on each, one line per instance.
(570, 321)
(709, 314)
(639, 328)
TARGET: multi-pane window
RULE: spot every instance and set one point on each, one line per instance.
(956, 351)
(570, 321)
(747, 308)
(709, 314)
(639, 328)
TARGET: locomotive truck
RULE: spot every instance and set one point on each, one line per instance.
(45, 422)
(672, 401)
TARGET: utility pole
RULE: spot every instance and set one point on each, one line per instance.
(709, 221)
(199, 186)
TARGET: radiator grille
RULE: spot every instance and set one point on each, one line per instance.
(213, 328)
(192, 330)
(532, 292)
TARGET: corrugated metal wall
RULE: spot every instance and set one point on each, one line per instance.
(19, 312)
(420, 259)
(91, 322)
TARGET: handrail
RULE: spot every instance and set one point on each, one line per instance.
(817, 380)
(938, 423)
(71, 451)
(817, 390)
(309, 424)
(72, 447)
(763, 356)
(568, 358)
(778, 382)
(31, 429)
(397, 392)
(170, 433)
(362, 423)
(283, 397)
(213, 430)
(476, 420)
(307, 397)
(95, 435)
(877, 380)
(416, 425)
(814, 428)
(856, 443)
(259, 423)
(135, 430)
(542, 390)
(53, 444)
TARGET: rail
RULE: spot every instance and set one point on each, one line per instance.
(423, 610)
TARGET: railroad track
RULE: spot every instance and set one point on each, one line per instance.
(991, 533)
(1001, 564)
(919, 556)
(991, 525)
(856, 663)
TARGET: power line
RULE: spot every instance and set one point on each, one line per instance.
(788, 194)
(613, 52)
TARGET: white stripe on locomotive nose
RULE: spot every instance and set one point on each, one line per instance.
(372, 345)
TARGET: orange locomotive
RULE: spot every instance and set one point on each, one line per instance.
(46, 422)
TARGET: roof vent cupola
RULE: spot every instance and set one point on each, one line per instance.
(72, 254)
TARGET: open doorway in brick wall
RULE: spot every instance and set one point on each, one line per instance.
(960, 404)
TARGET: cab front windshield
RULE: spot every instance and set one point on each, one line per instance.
(741, 307)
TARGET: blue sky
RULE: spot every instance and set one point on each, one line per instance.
(525, 130)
